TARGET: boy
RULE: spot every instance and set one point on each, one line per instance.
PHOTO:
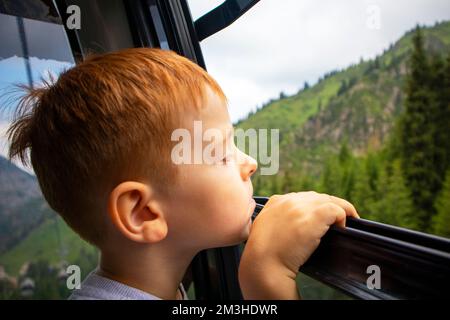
(100, 142)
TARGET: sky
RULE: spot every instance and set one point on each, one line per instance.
(278, 45)
(45, 57)
(12, 70)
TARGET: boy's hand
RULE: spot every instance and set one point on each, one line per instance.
(282, 238)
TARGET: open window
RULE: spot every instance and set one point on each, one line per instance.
(413, 261)
(35, 38)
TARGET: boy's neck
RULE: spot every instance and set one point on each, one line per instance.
(157, 271)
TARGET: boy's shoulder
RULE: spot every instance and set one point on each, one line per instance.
(97, 287)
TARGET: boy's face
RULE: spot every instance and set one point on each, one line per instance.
(211, 204)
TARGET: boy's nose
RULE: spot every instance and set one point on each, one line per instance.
(249, 167)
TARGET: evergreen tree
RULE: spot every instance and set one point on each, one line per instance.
(441, 221)
(439, 89)
(417, 145)
(372, 165)
(307, 183)
(395, 204)
(347, 171)
(276, 185)
(377, 62)
(262, 186)
(362, 195)
(446, 102)
(344, 153)
(342, 88)
(288, 184)
(331, 178)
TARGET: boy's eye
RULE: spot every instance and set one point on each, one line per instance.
(226, 160)
(229, 157)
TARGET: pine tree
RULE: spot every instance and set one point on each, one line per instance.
(331, 178)
(288, 184)
(395, 204)
(256, 185)
(346, 163)
(362, 195)
(446, 102)
(376, 62)
(439, 89)
(344, 153)
(342, 88)
(276, 185)
(441, 221)
(417, 132)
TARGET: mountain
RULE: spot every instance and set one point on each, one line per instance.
(357, 106)
(29, 229)
(53, 242)
(21, 204)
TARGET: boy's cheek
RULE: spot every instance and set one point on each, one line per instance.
(213, 229)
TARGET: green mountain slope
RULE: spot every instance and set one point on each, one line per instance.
(358, 105)
(53, 241)
(29, 230)
(21, 205)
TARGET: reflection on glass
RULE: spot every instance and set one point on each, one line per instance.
(35, 244)
(30, 50)
(311, 289)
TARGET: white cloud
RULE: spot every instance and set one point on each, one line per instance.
(12, 71)
(278, 45)
(4, 147)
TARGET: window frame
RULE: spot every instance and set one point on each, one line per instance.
(414, 265)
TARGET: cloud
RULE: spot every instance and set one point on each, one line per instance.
(4, 147)
(278, 45)
(12, 71)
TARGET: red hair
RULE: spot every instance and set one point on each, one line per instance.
(107, 120)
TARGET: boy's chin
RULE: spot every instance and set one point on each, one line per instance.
(231, 238)
(237, 240)
(242, 237)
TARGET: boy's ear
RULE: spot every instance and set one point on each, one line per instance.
(136, 213)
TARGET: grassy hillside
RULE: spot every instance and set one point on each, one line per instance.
(358, 105)
(21, 205)
(53, 241)
(29, 230)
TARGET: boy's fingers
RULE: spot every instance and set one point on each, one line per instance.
(350, 210)
(331, 213)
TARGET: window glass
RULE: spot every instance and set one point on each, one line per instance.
(36, 246)
(311, 289)
(337, 81)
